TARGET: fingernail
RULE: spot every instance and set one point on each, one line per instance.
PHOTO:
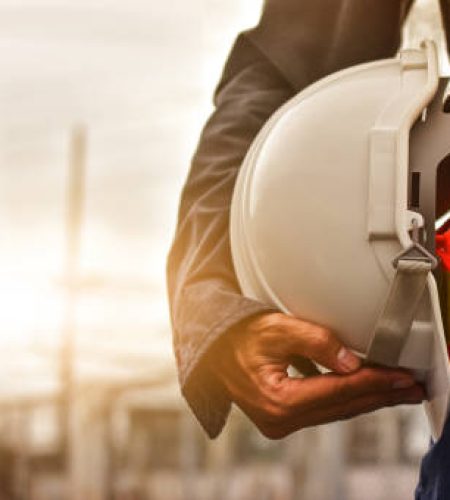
(347, 360)
(403, 383)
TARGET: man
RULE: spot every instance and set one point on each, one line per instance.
(230, 348)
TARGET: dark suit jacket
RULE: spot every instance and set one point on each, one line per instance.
(295, 43)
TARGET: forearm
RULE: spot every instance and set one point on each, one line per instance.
(205, 297)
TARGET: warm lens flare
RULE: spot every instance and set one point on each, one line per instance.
(28, 308)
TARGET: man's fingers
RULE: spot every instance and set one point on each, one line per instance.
(320, 344)
(368, 403)
(252, 367)
(316, 392)
(344, 411)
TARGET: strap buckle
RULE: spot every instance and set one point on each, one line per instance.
(416, 252)
(412, 267)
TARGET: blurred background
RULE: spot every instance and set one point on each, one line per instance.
(101, 105)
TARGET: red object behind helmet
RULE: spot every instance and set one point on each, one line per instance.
(443, 248)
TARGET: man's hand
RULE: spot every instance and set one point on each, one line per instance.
(252, 363)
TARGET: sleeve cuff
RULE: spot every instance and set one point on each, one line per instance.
(205, 394)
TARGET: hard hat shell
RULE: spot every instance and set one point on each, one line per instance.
(321, 209)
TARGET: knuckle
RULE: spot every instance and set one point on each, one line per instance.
(271, 320)
(273, 407)
(320, 339)
(268, 327)
(276, 412)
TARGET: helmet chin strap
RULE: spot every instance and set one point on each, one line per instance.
(405, 293)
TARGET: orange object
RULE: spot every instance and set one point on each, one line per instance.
(443, 248)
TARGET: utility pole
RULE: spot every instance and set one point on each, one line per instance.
(73, 223)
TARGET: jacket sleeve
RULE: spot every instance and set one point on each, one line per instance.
(204, 295)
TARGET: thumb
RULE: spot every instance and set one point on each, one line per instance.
(321, 345)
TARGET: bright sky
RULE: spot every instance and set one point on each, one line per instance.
(140, 79)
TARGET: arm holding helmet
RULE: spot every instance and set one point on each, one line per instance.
(204, 295)
(232, 348)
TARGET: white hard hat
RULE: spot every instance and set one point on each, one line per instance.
(334, 211)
